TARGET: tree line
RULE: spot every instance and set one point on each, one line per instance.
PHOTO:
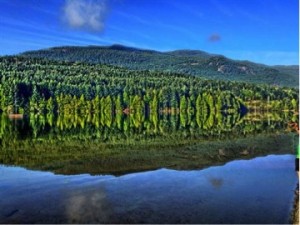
(43, 86)
(190, 62)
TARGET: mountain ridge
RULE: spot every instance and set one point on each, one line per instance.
(193, 62)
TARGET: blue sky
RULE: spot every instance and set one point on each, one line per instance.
(264, 31)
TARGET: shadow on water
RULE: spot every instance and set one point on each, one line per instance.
(120, 144)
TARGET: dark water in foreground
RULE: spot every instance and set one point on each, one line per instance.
(258, 190)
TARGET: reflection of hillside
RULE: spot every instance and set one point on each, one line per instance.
(76, 158)
(72, 145)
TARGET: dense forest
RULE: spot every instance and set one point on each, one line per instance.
(98, 118)
(43, 86)
(193, 62)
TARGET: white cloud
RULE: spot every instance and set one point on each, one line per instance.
(86, 14)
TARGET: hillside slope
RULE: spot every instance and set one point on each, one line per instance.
(192, 62)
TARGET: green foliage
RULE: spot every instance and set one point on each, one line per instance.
(118, 143)
(41, 86)
(196, 63)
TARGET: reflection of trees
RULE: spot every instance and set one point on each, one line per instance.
(119, 143)
(111, 128)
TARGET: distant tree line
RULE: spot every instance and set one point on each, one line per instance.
(43, 86)
(197, 63)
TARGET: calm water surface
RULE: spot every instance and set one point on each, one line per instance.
(163, 169)
(258, 190)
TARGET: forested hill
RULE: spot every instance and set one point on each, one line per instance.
(193, 62)
(40, 85)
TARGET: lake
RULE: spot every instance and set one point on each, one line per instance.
(73, 170)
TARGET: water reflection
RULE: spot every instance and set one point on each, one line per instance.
(216, 182)
(90, 207)
(243, 191)
(122, 127)
(74, 144)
